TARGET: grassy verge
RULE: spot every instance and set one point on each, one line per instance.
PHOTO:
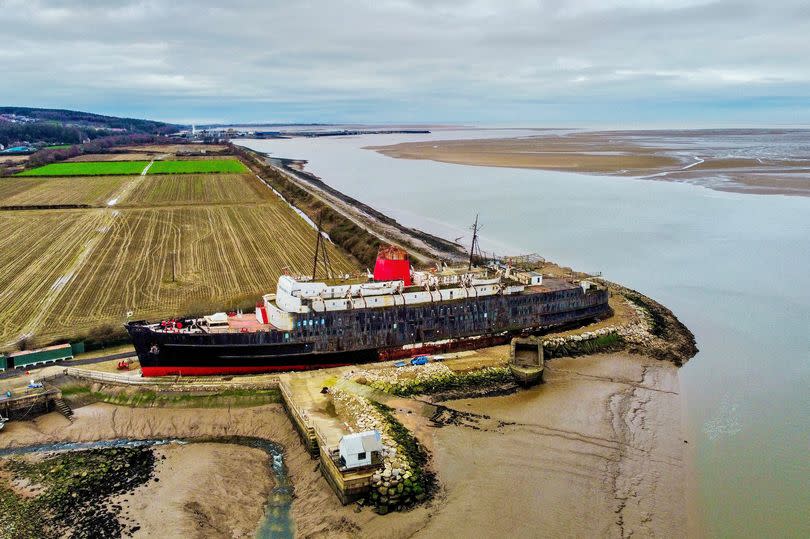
(147, 398)
(110, 350)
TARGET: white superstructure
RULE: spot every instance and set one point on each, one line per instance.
(301, 296)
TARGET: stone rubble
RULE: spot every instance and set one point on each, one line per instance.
(391, 379)
(636, 332)
(392, 483)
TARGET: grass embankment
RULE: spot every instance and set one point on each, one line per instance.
(100, 168)
(63, 495)
(79, 394)
(422, 483)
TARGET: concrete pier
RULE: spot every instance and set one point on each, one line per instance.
(313, 416)
(29, 405)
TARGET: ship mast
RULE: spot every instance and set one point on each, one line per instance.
(474, 244)
(317, 245)
(325, 255)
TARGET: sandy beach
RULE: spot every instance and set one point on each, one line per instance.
(669, 155)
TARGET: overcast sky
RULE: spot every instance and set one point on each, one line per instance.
(528, 62)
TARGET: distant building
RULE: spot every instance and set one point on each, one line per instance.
(356, 450)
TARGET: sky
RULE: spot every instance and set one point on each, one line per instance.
(627, 63)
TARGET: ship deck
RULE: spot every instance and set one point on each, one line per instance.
(550, 284)
(245, 323)
(248, 323)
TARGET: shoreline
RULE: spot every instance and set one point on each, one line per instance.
(618, 451)
(617, 154)
(630, 422)
(627, 431)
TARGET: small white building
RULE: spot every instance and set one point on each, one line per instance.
(356, 449)
(531, 278)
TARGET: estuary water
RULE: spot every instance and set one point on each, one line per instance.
(735, 268)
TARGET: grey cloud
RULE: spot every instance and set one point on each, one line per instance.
(400, 53)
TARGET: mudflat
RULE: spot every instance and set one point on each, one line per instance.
(198, 488)
(728, 160)
(596, 451)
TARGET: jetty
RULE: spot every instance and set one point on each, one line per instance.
(305, 396)
(33, 403)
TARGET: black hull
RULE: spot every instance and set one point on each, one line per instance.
(363, 335)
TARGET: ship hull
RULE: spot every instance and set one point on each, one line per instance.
(363, 335)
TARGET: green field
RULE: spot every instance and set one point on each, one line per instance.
(198, 166)
(101, 168)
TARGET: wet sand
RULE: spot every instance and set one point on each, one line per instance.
(625, 153)
(198, 487)
(206, 495)
(595, 451)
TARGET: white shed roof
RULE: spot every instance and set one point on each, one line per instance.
(361, 442)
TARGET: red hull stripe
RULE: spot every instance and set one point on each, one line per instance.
(207, 371)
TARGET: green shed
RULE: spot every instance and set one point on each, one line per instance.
(49, 354)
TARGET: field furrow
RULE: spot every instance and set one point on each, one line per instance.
(225, 258)
(93, 191)
(167, 245)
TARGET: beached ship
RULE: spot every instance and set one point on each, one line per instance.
(396, 312)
